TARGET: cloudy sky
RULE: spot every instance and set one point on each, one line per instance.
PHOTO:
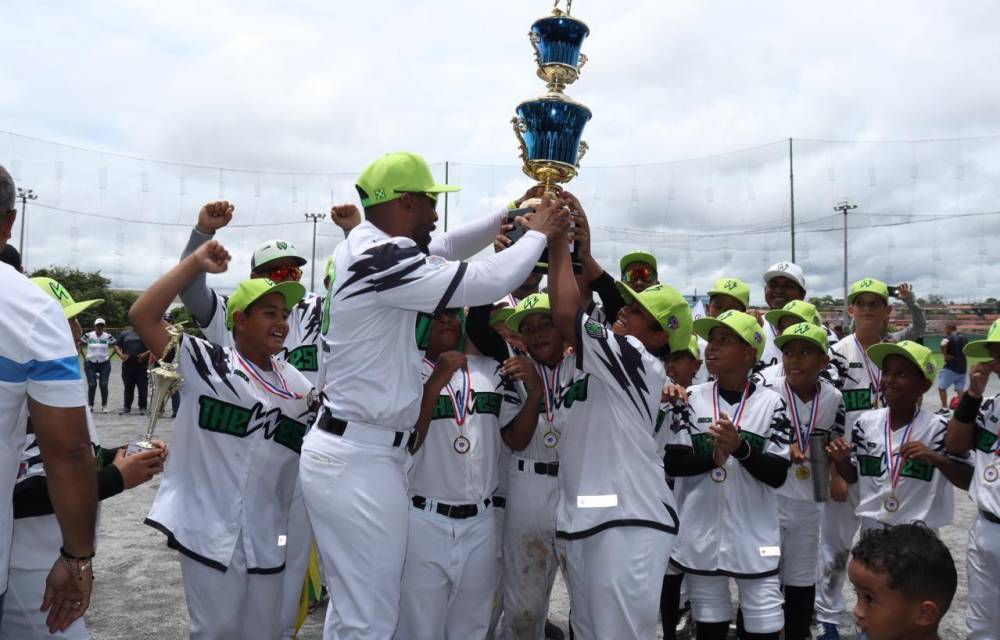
(126, 116)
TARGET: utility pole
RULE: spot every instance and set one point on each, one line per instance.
(791, 193)
(844, 206)
(24, 195)
(315, 217)
(446, 196)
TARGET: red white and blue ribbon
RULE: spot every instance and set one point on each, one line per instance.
(874, 375)
(460, 399)
(280, 391)
(551, 387)
(893, 459)
(802, 434)
(739, 409)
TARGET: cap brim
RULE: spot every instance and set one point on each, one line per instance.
(637, 256)
(702, 327)
(513, 322)
(771, 275)
(440, 188)
(782, 340)
(977, 349)
(631, 295)
(501, 315)
(75, 309)
(775, 315)
(292, 292)
(879, 352)
(852, 296)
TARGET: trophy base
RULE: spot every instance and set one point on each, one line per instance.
(139, 447)
(557, 75)
(549, 172)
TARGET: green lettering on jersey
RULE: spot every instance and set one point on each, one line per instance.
(870, 465)
(985, 440)
(755, 440)
(230, 419)
(857, 399)
(918, 470)
(304, 358)
(660, 415)
(577, 391)
(700, 443)
(483, 402)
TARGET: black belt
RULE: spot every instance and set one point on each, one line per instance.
(337, 427)
(500, 502)
(457, 511)
(989, 516)
(542, 468)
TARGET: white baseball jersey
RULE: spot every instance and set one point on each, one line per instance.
(234, 457)
(302, 344)
(985, 493)
(380, 284)
(823, 414)
(559, 391)
(859, 380)
(922, 491)
(610, 468)
(98, 346)
(703, 375)
(477, 398)
(730, 527)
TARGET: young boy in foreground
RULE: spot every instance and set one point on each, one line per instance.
(905, 580)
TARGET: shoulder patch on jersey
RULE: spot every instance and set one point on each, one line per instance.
(595, 329)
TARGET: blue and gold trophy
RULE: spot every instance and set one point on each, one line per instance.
(549, 128)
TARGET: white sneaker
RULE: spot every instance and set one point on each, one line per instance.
(104, 409)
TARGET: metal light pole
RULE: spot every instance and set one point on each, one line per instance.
(844, 206)
(24, 195)
(315, 217)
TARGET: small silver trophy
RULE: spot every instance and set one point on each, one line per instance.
(819, 460)
(164, 380)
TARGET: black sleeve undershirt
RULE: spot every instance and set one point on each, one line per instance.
(766, 467)
(482, 335)
(31, 497)
(683, 461)
(611, 297)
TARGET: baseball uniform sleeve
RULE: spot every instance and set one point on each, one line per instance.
(53, 371)
(937, 443)
(780, 433)
(468, 239)
(837, 429)
(615, 360)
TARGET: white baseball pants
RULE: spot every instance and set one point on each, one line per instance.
(839, 524)
(760, 600)
(799, 541)
(300, 540)
(22, 619)
(983, 567)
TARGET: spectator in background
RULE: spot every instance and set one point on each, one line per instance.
(96, 351)
(952, 374)
(135, 359)
(639, 270)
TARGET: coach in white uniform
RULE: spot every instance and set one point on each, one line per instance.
(352, 464)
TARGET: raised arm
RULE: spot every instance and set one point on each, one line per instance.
(196, 295)
(918, 324)
(448, 363)
(564, 294)
(147, 312)
(961, 434)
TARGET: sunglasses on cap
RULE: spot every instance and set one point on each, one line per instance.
(636, 274)
(284, 274)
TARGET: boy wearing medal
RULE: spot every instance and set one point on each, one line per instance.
(794, 312)
(731, 467)
(450, 568)
(897, 454)
(228, 485)
(530, 558)
(616, 517)
(815, 406)
(976, 426)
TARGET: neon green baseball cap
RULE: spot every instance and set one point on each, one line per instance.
(804, 331)
(732, 287)
(743, 324)
(977, 348)
(394, 174)
(535, 303)
(918, 354)
(70, 307)
(693, 348)
(801, 310)
(868, 285)
(638, 255)
(253, 289)
(668, 307)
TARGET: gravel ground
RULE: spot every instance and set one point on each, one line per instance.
(138, 593)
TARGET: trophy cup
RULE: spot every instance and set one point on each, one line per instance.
(163, 382)
(549, 128)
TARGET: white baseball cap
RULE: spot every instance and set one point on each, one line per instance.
(99, 321)
(274, 249)
(788, 270)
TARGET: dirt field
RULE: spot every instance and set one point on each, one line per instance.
(138, 593)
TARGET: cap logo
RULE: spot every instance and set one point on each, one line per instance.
(725, 315)
(672, 322)
(269, 282)
(58, 291)
(531, 302)
(801, 329)
(929, 366)
(867, 282)
(729, 285)
(379, 194)
(282, 245)
(757, 337)
(782, 266)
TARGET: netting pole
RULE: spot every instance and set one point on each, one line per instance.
(24, 195)
(845, 206)
(315, 217)
(446, 196)
(791, 193)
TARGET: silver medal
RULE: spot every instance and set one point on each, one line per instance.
(891, 504)
(462, 444)
(550, 439)
(718, 474)
(991, 473)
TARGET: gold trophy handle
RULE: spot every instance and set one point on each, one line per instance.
(582, 61)
(581, 151)
(534, 45)
(163, 382)
(519, 128)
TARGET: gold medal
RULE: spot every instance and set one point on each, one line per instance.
(802, 472)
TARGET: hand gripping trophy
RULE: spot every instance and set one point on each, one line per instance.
(164, 380)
